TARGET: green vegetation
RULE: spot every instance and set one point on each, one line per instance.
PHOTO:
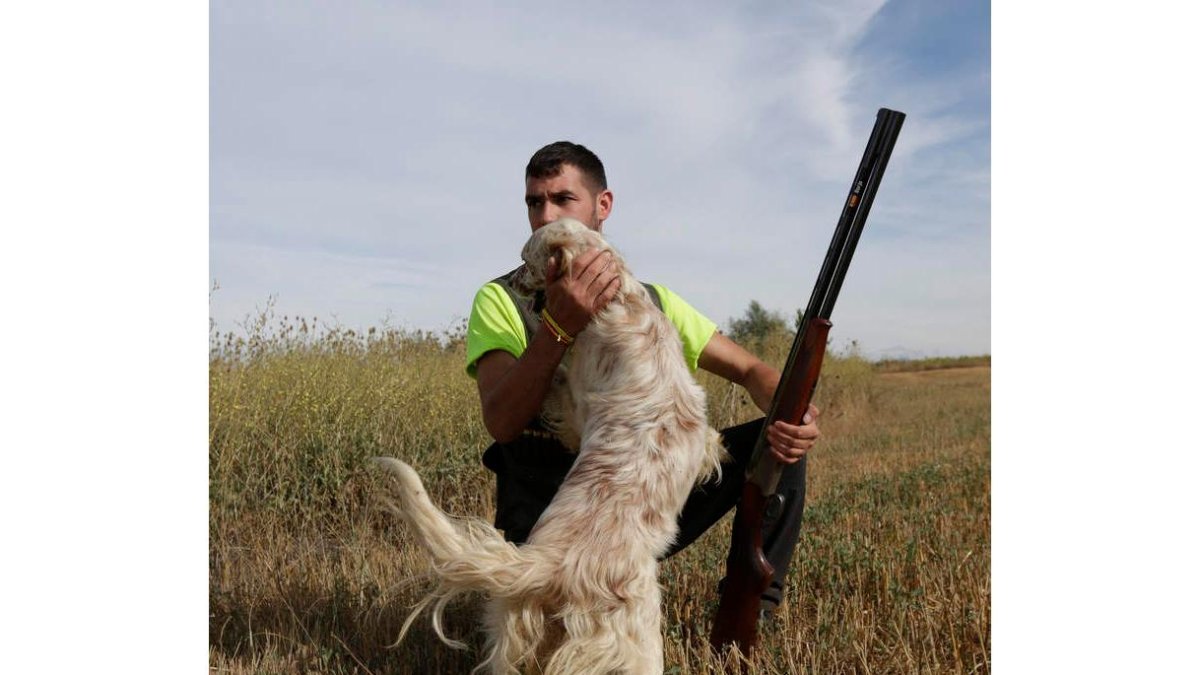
(306, 576)
(758, 325)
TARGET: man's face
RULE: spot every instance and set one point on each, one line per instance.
(565, 195)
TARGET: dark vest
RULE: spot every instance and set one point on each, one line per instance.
(530, 469)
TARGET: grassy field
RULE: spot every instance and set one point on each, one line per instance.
(892, 574)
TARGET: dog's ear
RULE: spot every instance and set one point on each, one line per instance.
(565, 259)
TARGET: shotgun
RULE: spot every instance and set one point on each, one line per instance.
(747, 572)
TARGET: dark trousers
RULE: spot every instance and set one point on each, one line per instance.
(530, 471)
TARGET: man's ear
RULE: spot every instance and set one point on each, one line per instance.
(604, 206)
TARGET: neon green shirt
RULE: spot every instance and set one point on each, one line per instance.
(496, 324)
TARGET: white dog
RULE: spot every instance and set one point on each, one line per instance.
(582, 596)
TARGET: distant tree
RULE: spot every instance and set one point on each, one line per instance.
(756, 324)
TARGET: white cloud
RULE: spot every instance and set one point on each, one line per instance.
(385, 133)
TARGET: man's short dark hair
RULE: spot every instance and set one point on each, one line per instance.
(548, 162)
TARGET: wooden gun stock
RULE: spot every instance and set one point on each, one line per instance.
(748, 573)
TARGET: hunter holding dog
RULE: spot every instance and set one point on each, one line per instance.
(514, 349)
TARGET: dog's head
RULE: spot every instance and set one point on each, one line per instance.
(563, 239)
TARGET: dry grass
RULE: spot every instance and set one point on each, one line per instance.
(892, 573)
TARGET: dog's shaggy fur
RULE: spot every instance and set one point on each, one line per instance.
(582, 596)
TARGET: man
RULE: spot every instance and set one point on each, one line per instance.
(513, 354)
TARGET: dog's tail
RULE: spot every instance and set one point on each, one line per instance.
(468, 554)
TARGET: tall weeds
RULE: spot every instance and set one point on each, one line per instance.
(892, 574)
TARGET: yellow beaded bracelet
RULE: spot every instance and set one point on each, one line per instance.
(560, 335)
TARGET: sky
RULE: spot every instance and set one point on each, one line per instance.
(366, 159)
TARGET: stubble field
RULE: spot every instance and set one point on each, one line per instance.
(892, 573)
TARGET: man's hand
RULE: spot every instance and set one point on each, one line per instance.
(726, 358)
(572, 300)
(789, 443)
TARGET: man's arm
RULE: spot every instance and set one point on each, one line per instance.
(725, 358)
(511, 390)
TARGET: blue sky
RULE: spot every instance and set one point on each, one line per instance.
(366, 158)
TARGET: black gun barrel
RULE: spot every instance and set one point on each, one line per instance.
(858, 204)
(833, 270)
